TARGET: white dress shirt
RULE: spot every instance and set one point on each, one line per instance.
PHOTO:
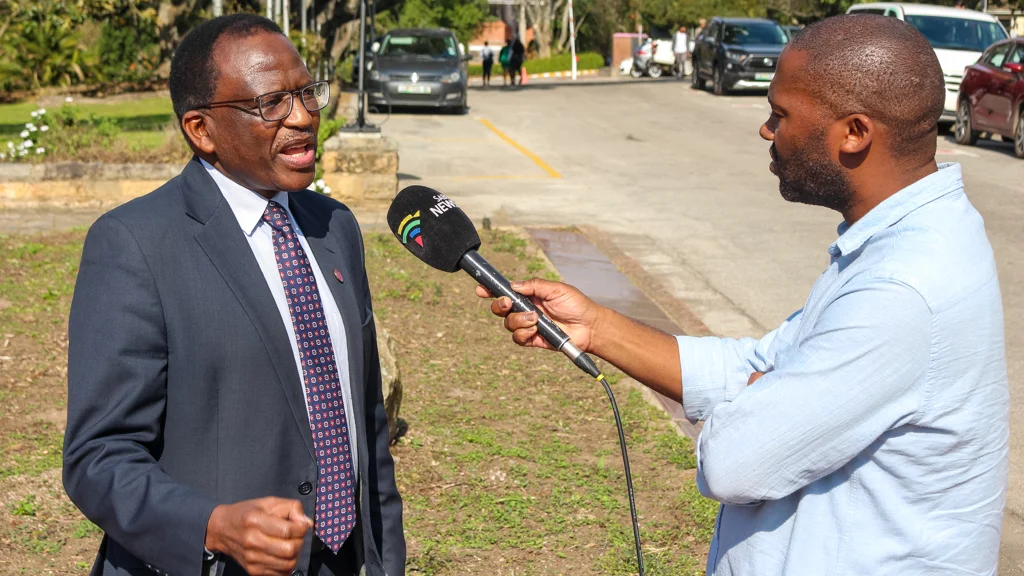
(248, 208)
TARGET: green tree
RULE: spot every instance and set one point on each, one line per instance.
(39, 45)
(464, 17)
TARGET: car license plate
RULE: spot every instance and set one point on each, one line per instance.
(413, 89)
(764, 76)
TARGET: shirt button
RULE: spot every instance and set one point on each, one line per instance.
(297, 573)
(305, 488)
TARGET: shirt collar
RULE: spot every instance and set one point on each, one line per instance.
(894, 208)
(248, 206)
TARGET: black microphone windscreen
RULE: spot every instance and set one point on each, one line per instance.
(432, 227)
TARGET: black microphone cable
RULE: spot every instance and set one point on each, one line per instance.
(629, 477)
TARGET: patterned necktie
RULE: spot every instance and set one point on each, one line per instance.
(335, 492)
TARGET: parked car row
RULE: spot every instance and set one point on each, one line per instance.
(983, 69)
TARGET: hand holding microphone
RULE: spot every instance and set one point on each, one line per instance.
(569, 308)
(440, 234)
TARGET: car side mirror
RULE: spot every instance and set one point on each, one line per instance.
(1014, 68)
(375, 47)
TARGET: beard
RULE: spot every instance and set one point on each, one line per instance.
(809, 176)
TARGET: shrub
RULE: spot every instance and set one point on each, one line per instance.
(70, 133)
(128, 51)
(559, 63)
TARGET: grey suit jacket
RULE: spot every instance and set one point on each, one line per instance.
(182, 387)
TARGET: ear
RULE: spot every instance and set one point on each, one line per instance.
(196, 128)
(857, 132)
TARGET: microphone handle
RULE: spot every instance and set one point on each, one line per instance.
(481, 270)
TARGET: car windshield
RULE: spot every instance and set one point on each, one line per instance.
(431, 46)
(754, 33)
(957, 33)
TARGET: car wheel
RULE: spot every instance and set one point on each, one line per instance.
(718, 84)
(654, 70)
(964, 134)
(1018, 138)
(696, 82)
(636, 72)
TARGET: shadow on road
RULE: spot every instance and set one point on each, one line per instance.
(1004, 147)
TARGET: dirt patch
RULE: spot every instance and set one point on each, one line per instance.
(510, 464)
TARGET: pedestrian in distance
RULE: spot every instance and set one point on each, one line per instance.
(681, 49)
(505, 59)
(869, 432)
(225, 412)
(516, 61)
(487, 54)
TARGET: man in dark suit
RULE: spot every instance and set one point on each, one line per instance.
(225, 412)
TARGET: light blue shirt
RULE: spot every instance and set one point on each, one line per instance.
(877, 442)
(248, 208)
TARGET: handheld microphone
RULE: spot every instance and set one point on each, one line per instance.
(439, 233)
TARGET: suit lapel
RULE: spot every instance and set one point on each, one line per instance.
(226, 246)
(330, 257)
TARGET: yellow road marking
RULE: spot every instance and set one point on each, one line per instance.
(536, 160)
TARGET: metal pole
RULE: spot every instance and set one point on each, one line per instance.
(572, 40)
(361, 105)
(218, 8)
(285, 9)
(270, 9)
(302, 3)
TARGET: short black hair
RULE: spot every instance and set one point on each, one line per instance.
(881, 67)
(193, 79)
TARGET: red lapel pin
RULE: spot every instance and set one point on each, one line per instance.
(337, 274)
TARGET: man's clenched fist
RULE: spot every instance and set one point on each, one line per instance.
(264, 535)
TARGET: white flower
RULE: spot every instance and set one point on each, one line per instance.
(22, 152)
(33, 129)
(10, 144)
(40, 150)
(42, 111)
(30, 125)
(2, 156)
(68, 99)
(24, 134)
(44, 128)
(319, 183)
(327, 190)
(35, 113)
(27, 143)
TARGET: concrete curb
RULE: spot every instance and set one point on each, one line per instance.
(92, 171)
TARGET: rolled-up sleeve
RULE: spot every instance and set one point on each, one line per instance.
(715, 370)
(855, 374)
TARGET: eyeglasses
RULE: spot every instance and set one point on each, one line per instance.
(275, 106)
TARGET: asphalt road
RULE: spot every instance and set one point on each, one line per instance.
(679, 180)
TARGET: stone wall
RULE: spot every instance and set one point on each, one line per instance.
(361, 167)
(76, 184)
(357, 167)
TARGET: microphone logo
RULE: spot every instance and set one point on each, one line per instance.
(409, 229)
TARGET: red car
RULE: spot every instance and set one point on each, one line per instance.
(992, 96)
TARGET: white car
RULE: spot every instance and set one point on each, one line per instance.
(958, 37)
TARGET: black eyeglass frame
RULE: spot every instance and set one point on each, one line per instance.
(291, 100)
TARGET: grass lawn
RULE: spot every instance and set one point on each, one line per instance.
(149, 113)
(510, 464)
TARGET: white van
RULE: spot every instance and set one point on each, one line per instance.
(958, 36)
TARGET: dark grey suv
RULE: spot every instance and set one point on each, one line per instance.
(418, 67)
(737, 53)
